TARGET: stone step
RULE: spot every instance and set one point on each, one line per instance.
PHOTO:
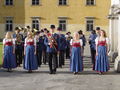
(87, 63)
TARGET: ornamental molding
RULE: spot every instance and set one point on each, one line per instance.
(114, 12)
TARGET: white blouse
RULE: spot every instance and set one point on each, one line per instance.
(8, 40)
(97, 39)
(30, 40)
(80, 41)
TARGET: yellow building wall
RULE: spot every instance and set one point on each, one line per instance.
(76, 11)
(16, 11)
(49, 11)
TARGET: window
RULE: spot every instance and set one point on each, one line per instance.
(8, 2)
(62, 24)
(62, 2)
(35, 2)
(90, 2)
(89, 24)
(35, 24)
(9, 24)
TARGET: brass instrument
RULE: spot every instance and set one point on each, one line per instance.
(69, 38)
(52, 41)
(18, 39)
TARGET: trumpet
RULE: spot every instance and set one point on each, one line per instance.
(53, 43)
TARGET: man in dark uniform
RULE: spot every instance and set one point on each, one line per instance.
(44, 47)
(51, 43)
(92, 38)
(68, 39)
(18, 46)
(61, 47)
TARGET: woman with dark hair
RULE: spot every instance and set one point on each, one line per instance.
(102, 63)
(82, 37)
(68, 38)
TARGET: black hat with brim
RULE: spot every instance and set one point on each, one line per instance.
(52, 26)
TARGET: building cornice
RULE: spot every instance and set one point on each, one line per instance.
(115, 11)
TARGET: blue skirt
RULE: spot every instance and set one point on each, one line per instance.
(102, 63)
(76, 64)
(30, 60)
(9, 58)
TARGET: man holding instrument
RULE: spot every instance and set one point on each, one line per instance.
(51, 43)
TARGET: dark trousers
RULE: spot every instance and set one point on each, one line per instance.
(93, 57)
(19, 54)
(45, 57)
(39, 57)
(67, 53)
(52, 57)
(61, 58)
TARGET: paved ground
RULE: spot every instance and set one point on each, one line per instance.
(19, 79)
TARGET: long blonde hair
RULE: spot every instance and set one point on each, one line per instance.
(8, 35)
(76, 36)
(29, 33)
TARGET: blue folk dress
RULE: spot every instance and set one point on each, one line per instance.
(76, 63)
(9, 61)
(30, 59)
(102, 62)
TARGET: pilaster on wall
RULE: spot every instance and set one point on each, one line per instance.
(117, 60)
(119, 35)
(113, 36)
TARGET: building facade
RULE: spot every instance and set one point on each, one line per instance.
(114, 32)
(71, 15)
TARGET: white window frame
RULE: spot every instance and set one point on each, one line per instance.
(35, 3)
(9, 3)
(38, 19)
(90, 3)
(9, 23)
(62, 3)
(90, 19)
(63, 24)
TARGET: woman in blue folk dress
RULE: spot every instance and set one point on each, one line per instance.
(9, 61)
(30, 61)
(102, 63)
(76, 64)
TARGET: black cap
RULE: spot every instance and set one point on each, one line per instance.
(16, 28)
(48, 31)
(52, 26)
(69, 33)
(37, 32)
(59, 29)
(80, 32)
(97, 28)
(93, 32)
(41, 30)
(28, 27)
(45, 29)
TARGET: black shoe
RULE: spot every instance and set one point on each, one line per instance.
(8, 70)
(39, 66)
(54, 72)
(60, 66)
(50, 72)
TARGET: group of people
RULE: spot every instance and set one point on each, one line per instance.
(99, 47)
(32, 47)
